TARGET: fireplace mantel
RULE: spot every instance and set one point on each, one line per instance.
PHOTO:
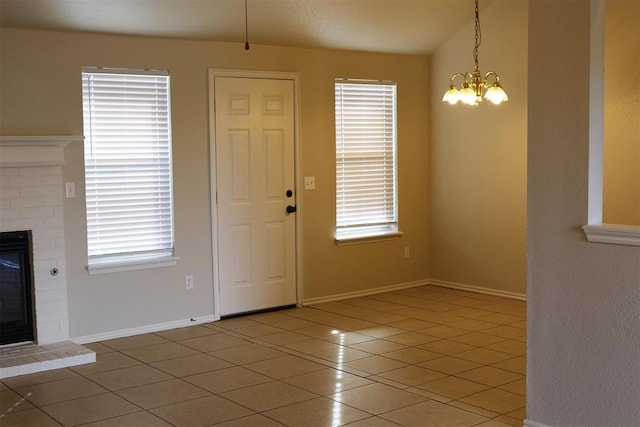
(26, 151)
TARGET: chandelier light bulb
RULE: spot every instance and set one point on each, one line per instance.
(496, 94)
(468, 95)
(452, 96)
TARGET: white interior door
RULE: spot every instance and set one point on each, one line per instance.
(254, 138)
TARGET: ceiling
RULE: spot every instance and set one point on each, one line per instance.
(392, 26)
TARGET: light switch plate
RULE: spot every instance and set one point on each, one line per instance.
(70, 190)
(309, 182)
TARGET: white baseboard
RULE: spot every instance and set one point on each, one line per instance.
(364, 293)
(309, 301)
(142, 329)
(478, 289)
(529, 423)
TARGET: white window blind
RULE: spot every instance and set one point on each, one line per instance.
(128, 180)
(365, 158)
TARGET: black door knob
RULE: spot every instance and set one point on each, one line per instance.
(291, 209)
(289, 193)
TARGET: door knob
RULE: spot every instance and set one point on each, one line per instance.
(291, 209)
(289, 193)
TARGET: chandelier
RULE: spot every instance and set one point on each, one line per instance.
(473, 85)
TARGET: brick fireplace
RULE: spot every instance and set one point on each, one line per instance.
(31, 198)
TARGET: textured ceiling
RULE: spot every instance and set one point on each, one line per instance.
(395, 26)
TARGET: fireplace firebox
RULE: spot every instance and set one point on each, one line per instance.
(16, 288)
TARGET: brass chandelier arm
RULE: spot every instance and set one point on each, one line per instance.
(493, 74)
(464, 77)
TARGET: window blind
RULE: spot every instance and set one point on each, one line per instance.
(128, 175)
(365, 157)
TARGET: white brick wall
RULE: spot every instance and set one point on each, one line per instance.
(31, 198)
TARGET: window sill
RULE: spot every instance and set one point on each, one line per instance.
(138, 264)
(614, 234)
(369, 238)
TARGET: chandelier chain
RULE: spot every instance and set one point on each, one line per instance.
(478, 39)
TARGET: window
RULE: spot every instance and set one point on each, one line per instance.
(127, 154)
(366, 193)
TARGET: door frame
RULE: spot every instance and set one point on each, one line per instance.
(213, 188)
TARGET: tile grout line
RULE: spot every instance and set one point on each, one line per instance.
(333, 315)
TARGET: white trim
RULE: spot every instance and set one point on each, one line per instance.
(146, 329)
(529, 423)
(135, 71)
(478, 289)
(307, 302)
(366, 292)
(61, 140)
(213, 197)
(356, 240)
(130, 265)
(297, 146)
(252, 74)
(613, 233)
(365, 81)
(34, 151)
(430, 282)
(249, 74)
(596, 112)
(596, 231)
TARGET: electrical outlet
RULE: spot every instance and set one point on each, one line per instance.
(407, 252)
(188, 282)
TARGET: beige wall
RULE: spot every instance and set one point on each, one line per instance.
(583, 313)
(478, 159)
(621, 204)
(40, 94)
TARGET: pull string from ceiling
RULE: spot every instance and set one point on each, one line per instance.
(246, 27)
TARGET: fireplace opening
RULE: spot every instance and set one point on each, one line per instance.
(16, 288)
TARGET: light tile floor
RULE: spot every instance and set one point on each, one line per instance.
(425, 356)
